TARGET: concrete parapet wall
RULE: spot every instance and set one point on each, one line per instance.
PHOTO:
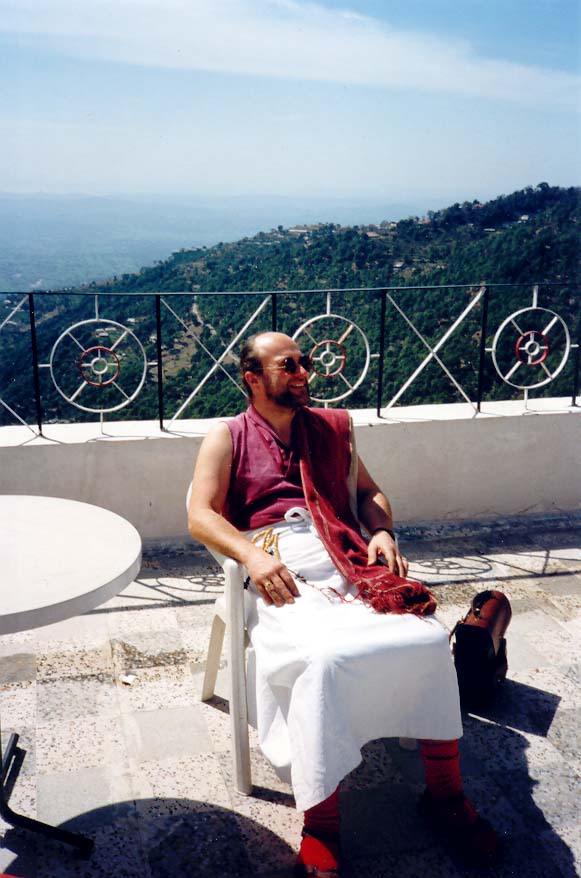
(434, 463)
(476, 468)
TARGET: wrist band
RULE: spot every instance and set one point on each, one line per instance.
(388, 530)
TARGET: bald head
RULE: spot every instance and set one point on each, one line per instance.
(270, 343)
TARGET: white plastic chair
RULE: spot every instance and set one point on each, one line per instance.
(229, 612)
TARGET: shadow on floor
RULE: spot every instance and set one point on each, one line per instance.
(164, 838)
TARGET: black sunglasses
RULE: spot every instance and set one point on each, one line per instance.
(291, 366)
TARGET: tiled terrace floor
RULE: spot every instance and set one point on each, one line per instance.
(145, 768)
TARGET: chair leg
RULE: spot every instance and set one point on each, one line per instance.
(213, 657)
(239, 726)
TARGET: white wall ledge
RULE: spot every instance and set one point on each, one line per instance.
(93, 431)
(435, 463)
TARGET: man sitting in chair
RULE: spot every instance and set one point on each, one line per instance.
(347, 649)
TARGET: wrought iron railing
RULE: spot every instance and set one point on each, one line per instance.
(372, 347)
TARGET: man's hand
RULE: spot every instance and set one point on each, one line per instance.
(382, 546)
(274, 582)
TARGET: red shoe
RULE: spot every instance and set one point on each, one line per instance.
(465, 829)
(319, 855)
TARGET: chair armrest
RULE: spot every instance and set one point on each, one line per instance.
(233, 592)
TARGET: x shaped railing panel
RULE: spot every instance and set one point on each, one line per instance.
(433, 350)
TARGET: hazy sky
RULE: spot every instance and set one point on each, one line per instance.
(361, 98)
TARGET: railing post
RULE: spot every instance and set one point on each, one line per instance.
(35, 374)
(577, 356)
(159, 360)
(381, 352)
(482, 352)
(273, 312)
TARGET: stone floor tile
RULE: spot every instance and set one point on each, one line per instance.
(222, 680)
(440, 568)
(86, 742)
(496, 748)
(394, 807)
(550, 683)
(153, 688)
(88, 797)
(195, 641)
(522, 652)
(89, 630)
(117, 852)
(272, 834)
(563, 583)
(19, 641)
(265, 781)
(497, 804)
(198, 778)
(75, 663)
(549, 800)
(165, 734)
(268, 815)
(127, 622)
(406, 764)
(519, 562)
(196, 615)
(19, 667)
(18, 706)
(532, 855)
(556, 646)
(532, 619)
(564, 849)
(217, 718)
(431, 861)
(73, 697)
(377, 768)
(564, 606)
(564, 736)
(145, 649)
(202, 841)
(22, 800)
(20, 852)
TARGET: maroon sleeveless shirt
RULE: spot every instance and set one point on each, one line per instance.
(265, 480)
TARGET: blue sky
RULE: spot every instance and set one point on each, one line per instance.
(360, 99)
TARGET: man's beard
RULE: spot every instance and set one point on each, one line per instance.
(286, 398)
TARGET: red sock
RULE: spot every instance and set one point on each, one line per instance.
(442, 765)
(322, 818)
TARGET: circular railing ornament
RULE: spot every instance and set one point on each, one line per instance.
(340, 359)
(99, 362)
(79, 350)
(532, 347)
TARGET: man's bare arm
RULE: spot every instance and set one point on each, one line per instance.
(374, 510)
(207, 524)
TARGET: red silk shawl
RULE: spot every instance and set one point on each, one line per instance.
(323, 438)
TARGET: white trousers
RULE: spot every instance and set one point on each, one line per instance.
(329, 675)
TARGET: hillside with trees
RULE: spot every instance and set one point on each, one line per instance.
(529, 237)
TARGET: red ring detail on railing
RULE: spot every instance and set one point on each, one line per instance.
(533, 336)
(101, 350)
(341, 357)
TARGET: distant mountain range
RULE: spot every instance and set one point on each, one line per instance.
(57, 241)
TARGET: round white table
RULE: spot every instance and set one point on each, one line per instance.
(58, 558)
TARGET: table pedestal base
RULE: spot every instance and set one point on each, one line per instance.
(19, 820)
